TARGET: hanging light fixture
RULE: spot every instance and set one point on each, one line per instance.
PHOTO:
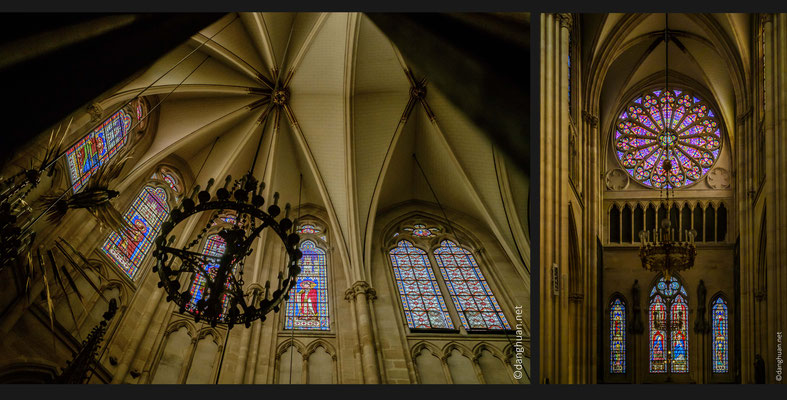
(213, 283)
(667, 250)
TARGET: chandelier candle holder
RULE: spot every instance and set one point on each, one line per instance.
(215, 291)
(664, 251)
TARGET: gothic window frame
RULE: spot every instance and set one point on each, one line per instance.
(429, 244)
(153, 182)
(627, 366)
(690, 340)
(136, 129)
(706, 98)
(729, 375)
(213, 231)
(320, 240)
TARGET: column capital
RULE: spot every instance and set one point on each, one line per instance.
(566, 20)
(591, 119)
(360, 287)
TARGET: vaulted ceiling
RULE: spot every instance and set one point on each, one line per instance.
(712, 51)
(350, 127)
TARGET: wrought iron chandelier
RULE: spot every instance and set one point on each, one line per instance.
(214, 286)
(667, 251)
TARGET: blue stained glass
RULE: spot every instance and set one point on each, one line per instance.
(720, 345)
(617, 337)
(470, 293)
(658, 353)
(307, 307)
(214, 248)
(145, 215)
(666, 120)
(96, 148)
(669, 331)
(421, 297)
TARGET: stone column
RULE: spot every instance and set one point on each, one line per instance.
(775, 190)
(363, 294)
(556, 365)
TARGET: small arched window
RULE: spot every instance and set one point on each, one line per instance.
(96, 148)
(307, 307)
(478, 309)
(617, 336)
(145, 215)
(720, 343)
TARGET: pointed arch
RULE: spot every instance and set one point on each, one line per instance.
(617, 334)
(668, 326)
(307, 307)
(421, 296)
(476, 304)
(146, 214)
(720, 336)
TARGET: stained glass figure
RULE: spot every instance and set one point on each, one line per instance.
(658, 320)
(477, 306)
(667, 125)
(214, 248)
(96, 148)
(307, 307)
(308, 229)
(669, 331)
(422, 299)
(720, 336)
(617, 337)
(421, 230)
(146, 214)
(679, 316)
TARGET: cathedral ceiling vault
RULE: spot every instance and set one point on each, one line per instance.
(350, 127)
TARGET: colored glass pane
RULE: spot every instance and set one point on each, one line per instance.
(667, 125)
(213, 250)
(171, 181)
(617, 337)
(308, 229)
(146, 214)
(720, 336)
(679, 317)
(669, 330)
(423, 303)
(307, 307)
(421, 230)
(96, 148)
(658, 351)
(477, 306)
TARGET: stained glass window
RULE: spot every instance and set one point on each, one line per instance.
(308, 229)
(307, 307)
(669, 331)
(421, 230)
(617, 337)
(171, 181)
(670, 125)
(146, 214)
(720, 336)
(477, 306)
(214, 248)
(96, 148)
(422, 299)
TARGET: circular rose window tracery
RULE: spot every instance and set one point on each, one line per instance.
(661, 125)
